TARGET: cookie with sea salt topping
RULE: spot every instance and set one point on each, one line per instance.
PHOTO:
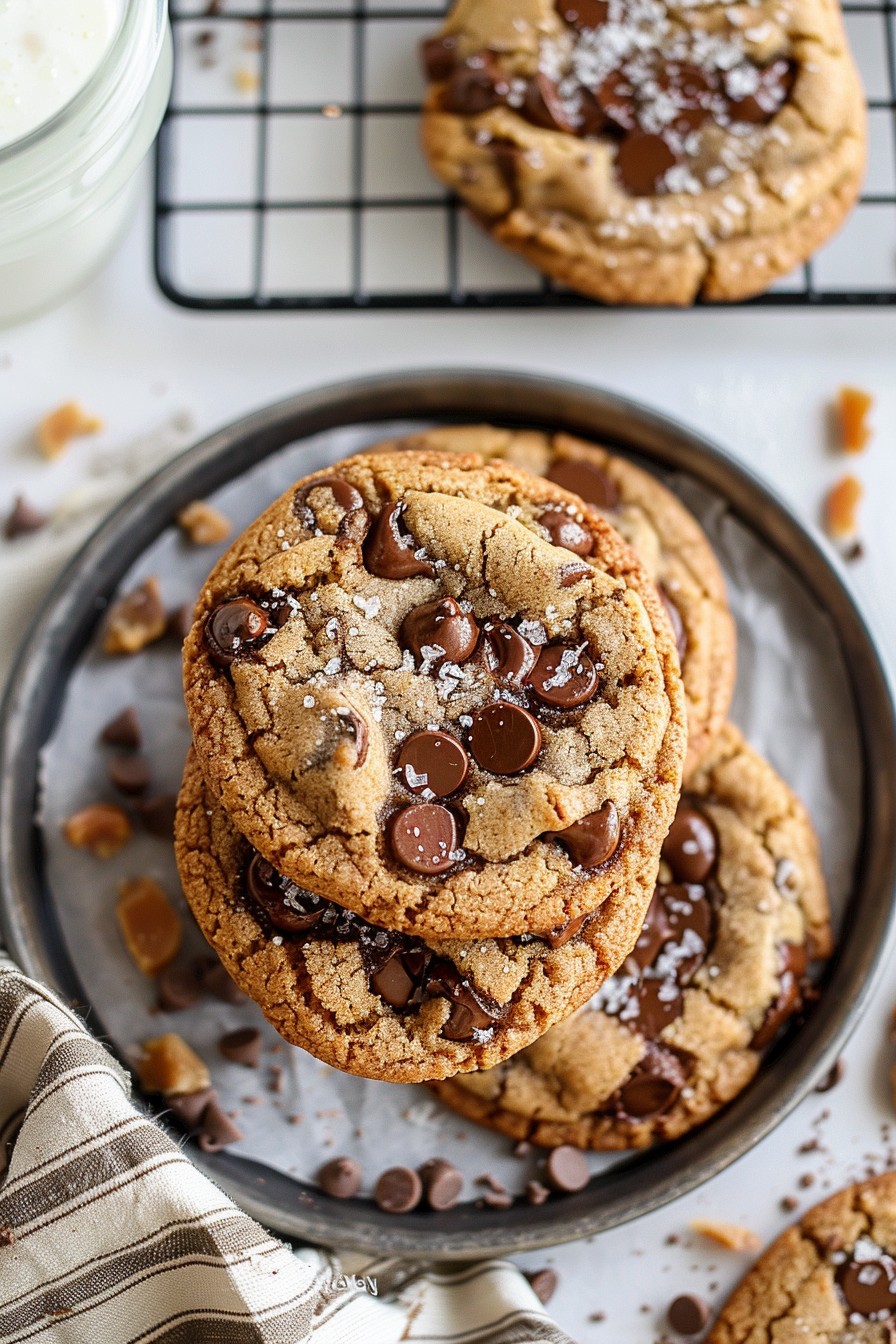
(666, 537)
(411, 700)
(831, 1278)
(649, 152)
(364, 999)
(738, 914)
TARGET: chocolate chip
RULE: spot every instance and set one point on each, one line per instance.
(218, 1130)
(231, 626)
(123, 730)
(566, 531)
(564, 677)
(522, 1149)
(834, 1076)
(536, 1193)
(543, 1283)
(433, 761)
(567, 1169)
(678, 630)
(494, 1200)
(593, 840)
(616, 99)
(22, 519)
(476, 86)
(490, 1179)
(866, 1286)
(511, 657)
(438, 631)
(774, 85)
(641, 161)
(180, 622)
(216, 981)
(659, 1003)
(128, 774)
(543, 106)
(691, 847)
(424, 838)
(398, 1190)
(394, 980)
(289, 907)
(346, 496)
(442, 1183)
(504, 738)
(439, 55)
(583, 13)
(190, 1107)
(655, 931)
(157, 814)
(688, 1314)
(340, 1178)
(471, 1011)
(559, 937)
(789, 1000)
(687, 909)
(585, 480)
(242, 1047)
(389, 552)
(177, 989)
(592, 118)
(655, 1084)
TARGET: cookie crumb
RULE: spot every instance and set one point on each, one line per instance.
(203, 524)
(730, 1235)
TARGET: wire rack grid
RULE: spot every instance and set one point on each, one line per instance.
(289, 173)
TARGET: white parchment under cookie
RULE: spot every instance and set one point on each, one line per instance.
(792, 701)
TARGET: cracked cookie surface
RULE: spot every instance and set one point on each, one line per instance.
(368, 1001)
(739, 912)
(665, 536)
(646, 152)
(398, 610)
(831, 1278)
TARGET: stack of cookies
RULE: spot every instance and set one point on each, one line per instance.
(442, 697)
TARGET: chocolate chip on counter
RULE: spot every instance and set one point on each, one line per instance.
(22, 519)
(691, 846)
(289, 907)
(504, 738)
(439, 631)
(190, 1107)
(567, 1169)
(678, 630)
(585, 480)
(543, 106)
(789, 1203)
(490, 1179)
(475, 86)
(593, 840)
(346, 496)
(123, 730)
(218, 1130)
(439, 56)
(834, 1076)
(641, 161)
(128, 774)
(231, 626)
(177, 989)
(522, 1149)
(583, 13)
(511, 657)
(424, 838)
(566, 531)
(242, 1047)
(180, 622)
(157, 814)
(389, 553)
(543, 1283)
(398, 1190)
(494, 1200)
(564, 677)
(432, 761)
(688, 1314)
(216, 981)
(442, 1183)
(536, 1193)
(340, 1178)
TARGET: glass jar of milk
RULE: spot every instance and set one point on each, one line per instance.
(83, 87)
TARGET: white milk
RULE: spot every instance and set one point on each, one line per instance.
(48, 51)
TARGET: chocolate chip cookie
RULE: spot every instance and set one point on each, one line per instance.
(830, 1278)
(373, 1002)
(413, 701)
(649, 153)
(739, 912)
(666, 537)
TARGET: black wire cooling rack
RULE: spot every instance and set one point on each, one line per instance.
(288, 173)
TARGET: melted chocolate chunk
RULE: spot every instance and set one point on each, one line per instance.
(346, 496)
(593, 840)
(566, 531)
(511, 657)
(583, 14)
(793, 961)
(564, 934)
(585, 480)
(389, 552)
(439, 56)
(678, 630)
(424, 838)
(398, 977)
(691, 847)
(476, 86)
(434, 762)
(564, 677)
(288, 906)
(439, 631)
(616, 99)
(504, 738)
(659, 1003)
(866, 1286)
(233, 628)
(471, 1011)
(691, 90)
(655, 931)
(543, 106)
(773, 85)
(642, 160)
(655, 1084)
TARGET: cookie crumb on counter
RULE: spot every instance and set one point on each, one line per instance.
(70, 421)
(852, 407)
(730, 1235)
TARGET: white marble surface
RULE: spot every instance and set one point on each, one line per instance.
(757, 381)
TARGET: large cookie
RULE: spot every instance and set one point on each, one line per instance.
(740, 910)
(830, 1279)
(665, 536)
(366, 1000)
(412, 702)
(649, 153)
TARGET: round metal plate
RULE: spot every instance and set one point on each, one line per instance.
(645, 1181)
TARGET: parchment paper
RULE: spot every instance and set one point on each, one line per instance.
(792, 701)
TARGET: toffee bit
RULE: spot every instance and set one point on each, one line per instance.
(852, 408)
(730, 1235)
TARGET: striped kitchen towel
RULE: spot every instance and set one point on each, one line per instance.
(109, 1234)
